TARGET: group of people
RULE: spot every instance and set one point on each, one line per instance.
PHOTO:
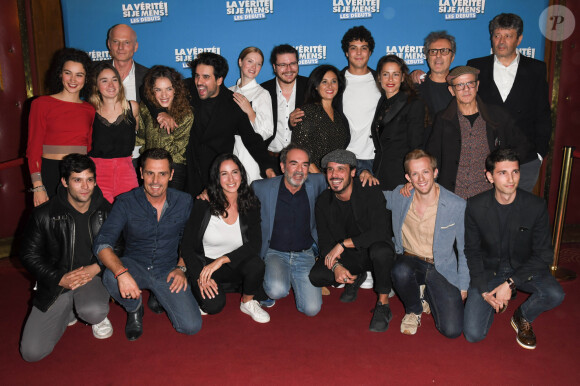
(367, 173)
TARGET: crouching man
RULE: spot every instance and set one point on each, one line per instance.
(354, 233)
(56, 250)
(430, 275)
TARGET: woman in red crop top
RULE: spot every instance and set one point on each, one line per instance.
(59, 124)
(114, 129)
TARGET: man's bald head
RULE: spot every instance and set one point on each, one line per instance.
(122, 42)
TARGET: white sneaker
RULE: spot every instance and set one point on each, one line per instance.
(424, 304)
(103, 330)
(202, 311)
(410, 323)
(253, 309)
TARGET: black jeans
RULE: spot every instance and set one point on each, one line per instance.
(249, 272)
(444, 298)
(378, 258)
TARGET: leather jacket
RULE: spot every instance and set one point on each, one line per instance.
(48, 244)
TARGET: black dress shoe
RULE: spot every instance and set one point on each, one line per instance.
(154, 304)
(134, 326)
(351, 290)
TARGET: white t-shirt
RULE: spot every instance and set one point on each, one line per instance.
(359, 103)
(221, 238)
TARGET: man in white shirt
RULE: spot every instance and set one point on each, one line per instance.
(287, 90)
(517, 83)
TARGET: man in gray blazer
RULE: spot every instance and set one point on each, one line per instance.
(289, 237)
(428, 271)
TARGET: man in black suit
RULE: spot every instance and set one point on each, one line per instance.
(508, 247)
(354, 236)
(517, 83)
(218, 118)
(287, 90)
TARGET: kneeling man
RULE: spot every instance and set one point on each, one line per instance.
(151, 219)
(427, 226)
(508, 247)
(56, 250)
(354, 233)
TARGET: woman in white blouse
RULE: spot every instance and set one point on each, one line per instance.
(221, 242)
(255, 101)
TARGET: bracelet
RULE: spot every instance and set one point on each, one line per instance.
(342, 244)
(124, 270)
(37, 189)
(336, 264)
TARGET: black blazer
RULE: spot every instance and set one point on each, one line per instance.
(528, 229)
(527, 101)
(395, 133)
(444, 143)
(206, 143)
(192, 241)
(270, 86)
(370, 213)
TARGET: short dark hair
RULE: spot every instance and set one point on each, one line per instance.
(293, 146)
(218, 62)
(54, 79)
(500, 155)
(438, 35)
(357, 33)
(280, 50)
(418, 154)
(76, 163)
(314, 80)
(506, 21)
(156, 153)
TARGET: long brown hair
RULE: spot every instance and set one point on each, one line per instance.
(180, 106)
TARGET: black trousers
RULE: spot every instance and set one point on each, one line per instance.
(250, 273)
(179, 177)
(379, 258)
(50, 172)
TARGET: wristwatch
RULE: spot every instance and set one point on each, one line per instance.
(511, 284)
(182, 267)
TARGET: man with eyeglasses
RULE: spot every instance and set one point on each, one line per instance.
(517, 83)
(439, 48)
(287, 90)
(466, 132)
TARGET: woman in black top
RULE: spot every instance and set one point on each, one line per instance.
(324, 128)
(114, 129)
(399, 123)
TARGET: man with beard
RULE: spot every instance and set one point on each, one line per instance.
(287, 90)
(289, 237)
(151, 218)
(354, 229)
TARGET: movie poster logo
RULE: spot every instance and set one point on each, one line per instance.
(527, 51)
(356, 9)
(99, 56)
(138, 13)
(186, 55)
(461, 9)
(245, 10)
(412, 55)
(310, 55)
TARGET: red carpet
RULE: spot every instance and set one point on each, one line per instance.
(333, 347)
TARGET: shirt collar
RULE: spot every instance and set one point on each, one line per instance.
(515, 62)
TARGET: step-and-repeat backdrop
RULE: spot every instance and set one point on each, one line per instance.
(173, 32)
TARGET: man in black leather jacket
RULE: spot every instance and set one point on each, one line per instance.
(56, 250)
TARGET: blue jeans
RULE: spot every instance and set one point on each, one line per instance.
(546, 293)
(444, 298)
(364, 164)
(285, 269)
(181, 307)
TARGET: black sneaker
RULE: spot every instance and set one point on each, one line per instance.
(381, 318)
(351, 290)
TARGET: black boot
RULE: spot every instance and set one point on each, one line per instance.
(154, 304)
(134, 326)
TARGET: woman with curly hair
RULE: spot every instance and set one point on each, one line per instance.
(323, 128)
(255, 101)
(59, 124)
(164, 88)
(114, 130)
(222, 240)
(399, 123)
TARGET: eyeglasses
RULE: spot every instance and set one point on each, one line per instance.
(443, 51)
(461, 86)
(284, 66)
